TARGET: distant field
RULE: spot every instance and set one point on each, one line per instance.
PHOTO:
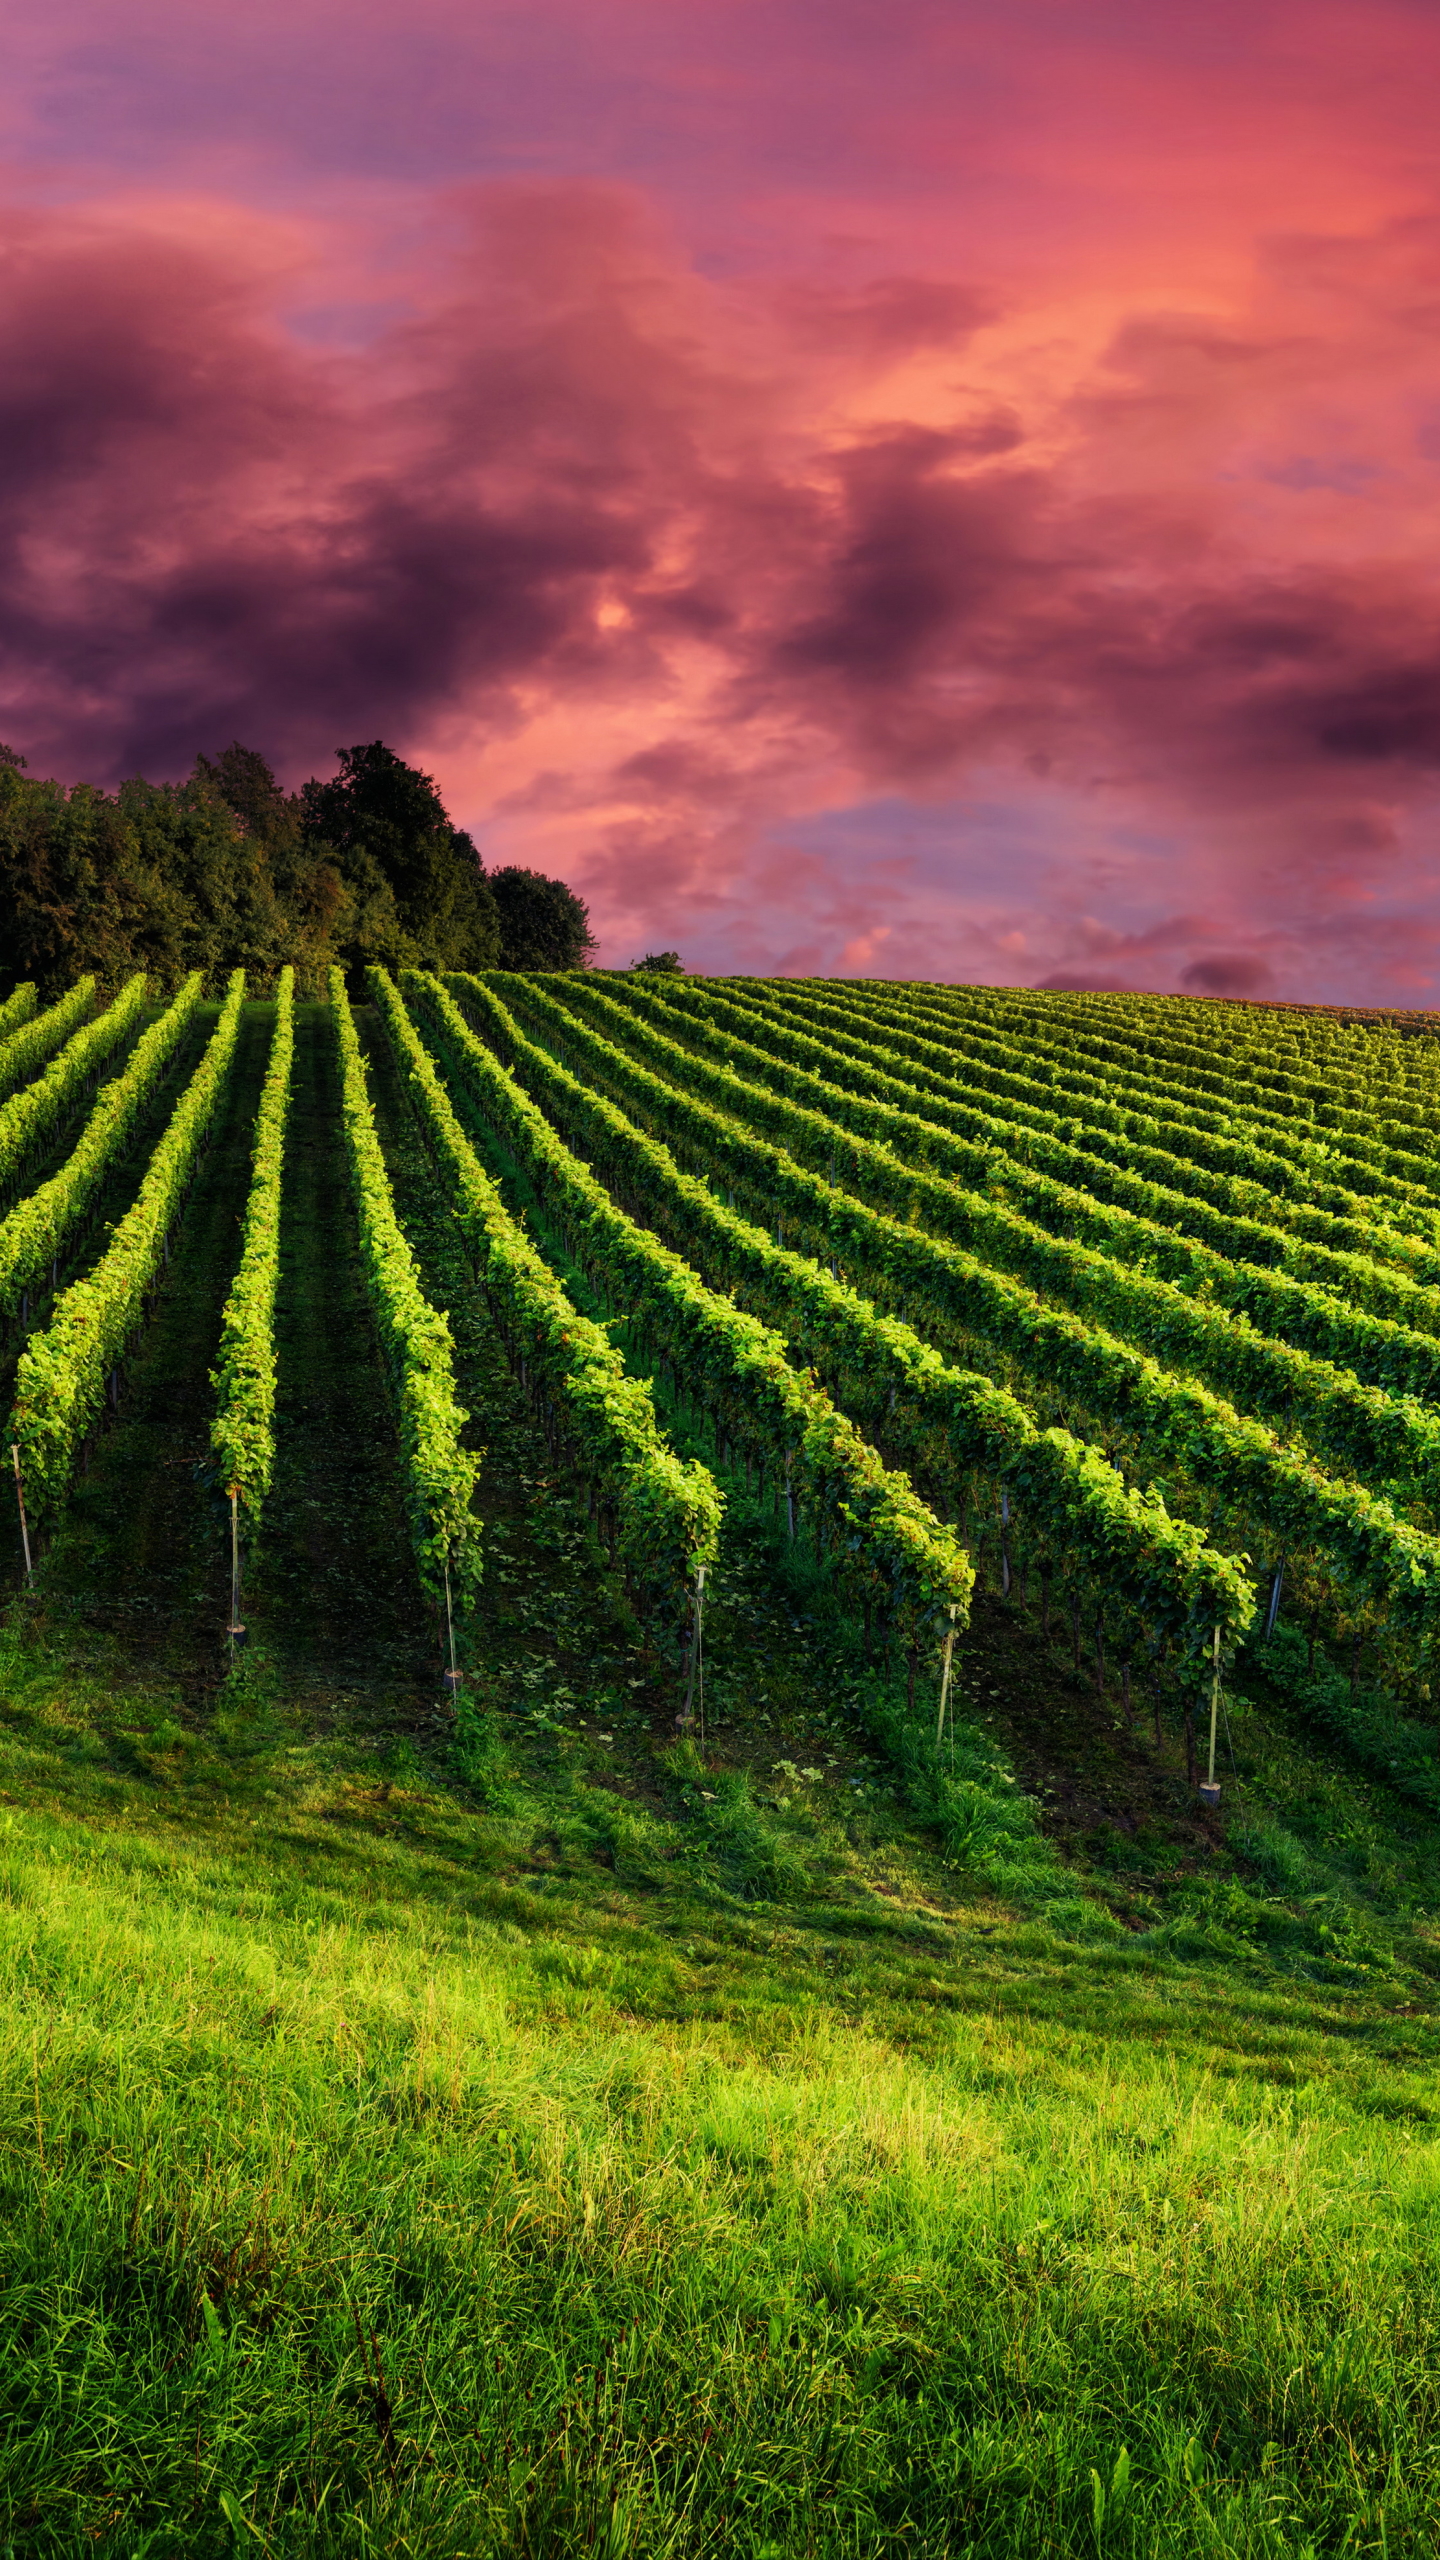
(613, 1943)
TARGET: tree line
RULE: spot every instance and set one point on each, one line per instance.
(227, 871)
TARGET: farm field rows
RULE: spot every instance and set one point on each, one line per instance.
(624, 1591)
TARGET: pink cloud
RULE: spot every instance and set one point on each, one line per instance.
(701, 509)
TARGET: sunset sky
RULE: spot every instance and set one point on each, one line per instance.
(885, 487)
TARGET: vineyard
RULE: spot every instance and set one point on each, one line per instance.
(908, 1508)
(1128, 1310)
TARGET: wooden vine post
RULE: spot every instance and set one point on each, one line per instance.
(24, 1523)
(947, 1660)
(452, 1676)
(235, 1631)
(694, 1707)
(1210, 1792)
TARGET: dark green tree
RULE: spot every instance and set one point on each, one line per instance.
(319, 903)
(417, 893)
(228, 870)
(543, 925)
(658, 964)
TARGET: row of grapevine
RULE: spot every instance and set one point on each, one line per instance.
(1361, 1429)
(1343, 1084)
(31, 1117)
(1282, 1160)
(945, 1173)
(39, 1038)
(1229, 1246)
(439, 1471)
(1254, 1490)
(61, 1379)
(886, 1545)
(35, 1230)
(662, 1513)
(18, 1007)
(1052, 1045)
(1151, 1068)
(1293, 1041)
(1110, 1154)
(242, 1433)
(1112, 1547)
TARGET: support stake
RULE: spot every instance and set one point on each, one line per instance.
(452, 1676)
(1210, 1792)
(24, 1523)
(946, 1661)
(694, 1707)
(235, 1631)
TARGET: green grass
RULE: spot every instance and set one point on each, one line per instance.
(539, 2133)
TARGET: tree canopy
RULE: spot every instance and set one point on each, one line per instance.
(543, 925)
(227, 870)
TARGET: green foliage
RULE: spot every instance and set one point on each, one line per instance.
(37, 1039)
(385, 826)
(226, 870)
(33, 1233)
(1258, 1490)
(1277, 1181)
(242, 1433)
(61, 1378)
(17, 1007)
(1339, 1255)
(1154, 1578)
(530, 2139)
(666, 1515)
(415, 1337)
(162, 877)
(340, 2157)
(31, 1116)
(658, 964)
(1328, 1142)
(1155, 1284)
(543, 925)
(886, 1546)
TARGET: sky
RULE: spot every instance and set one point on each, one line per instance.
(900, 488)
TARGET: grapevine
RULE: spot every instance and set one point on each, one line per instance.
(886, 1545)
(33, 1233)
(665, 1512)
(415, 1338)
(61, 1379)
(243, 1431)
